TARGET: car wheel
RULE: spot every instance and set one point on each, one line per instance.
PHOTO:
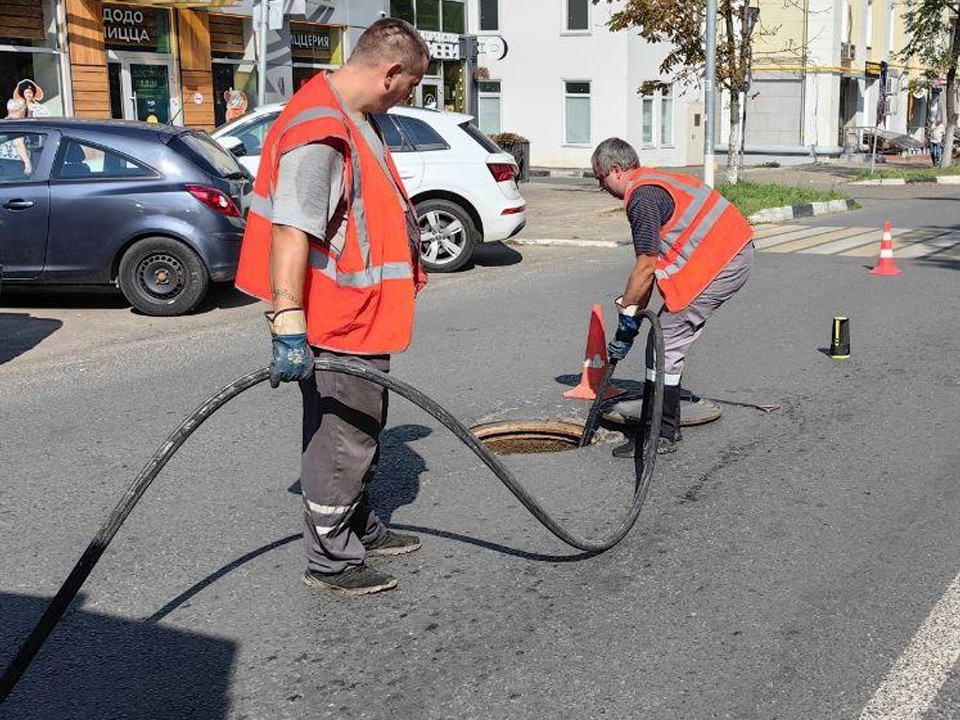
(163, 277)
(447, 235)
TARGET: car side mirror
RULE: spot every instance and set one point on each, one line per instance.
(233, 145)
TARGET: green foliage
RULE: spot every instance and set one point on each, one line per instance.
(507, 138)
(749, 197)
(928, 27)
(908, 173)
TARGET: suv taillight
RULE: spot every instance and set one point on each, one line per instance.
(214, 199)
(502, 171)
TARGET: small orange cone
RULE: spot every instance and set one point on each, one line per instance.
(595, 362)
(886, 264)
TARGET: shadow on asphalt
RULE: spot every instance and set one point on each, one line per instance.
(222, 296)
(945, 263)
(495, 255)
(20, 332)
(101, 666)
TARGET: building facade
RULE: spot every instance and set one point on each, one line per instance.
(551, 71)
(817, 77)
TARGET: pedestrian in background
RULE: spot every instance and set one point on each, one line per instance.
(333, 242)
(936, 142)
(694, 245)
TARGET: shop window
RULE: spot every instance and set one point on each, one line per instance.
(234, 73)
(19, 153)
(403, 9)
(489, 14)
(421, 135)
(453, 91)
(454, 17)
(30, 58)
(131, 27)
(666, 116)
(79, 160)
(428, 14)
(578, 15)
(577, 113)
(488, 94)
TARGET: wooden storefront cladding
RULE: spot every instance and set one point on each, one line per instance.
(88, 63)
(196, 71)
(88, 59)
(226, 34)
(21, 20)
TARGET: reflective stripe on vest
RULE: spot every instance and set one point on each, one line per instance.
(699, 196)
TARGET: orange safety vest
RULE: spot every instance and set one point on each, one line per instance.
(360, 302)
(704, 233)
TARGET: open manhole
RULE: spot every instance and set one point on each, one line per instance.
(528, 436)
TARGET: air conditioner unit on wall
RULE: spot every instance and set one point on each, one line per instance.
(848, 51)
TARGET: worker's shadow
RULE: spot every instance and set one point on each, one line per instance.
(397, 482)
(106, 666)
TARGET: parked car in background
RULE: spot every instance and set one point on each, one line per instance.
(154, 209)
(463, 186)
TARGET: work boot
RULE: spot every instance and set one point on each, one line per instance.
(670, 423)
(394, 543)
(355, 580)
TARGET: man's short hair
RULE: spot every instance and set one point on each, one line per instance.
(614, 152)
(391, 40)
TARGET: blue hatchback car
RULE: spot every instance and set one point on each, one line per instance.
(154, 209)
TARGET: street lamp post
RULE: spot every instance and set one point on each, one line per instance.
(709, 93)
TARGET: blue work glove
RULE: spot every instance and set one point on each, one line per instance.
(627, 328)
(292, 357)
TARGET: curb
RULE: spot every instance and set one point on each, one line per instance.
(792, 212)
(561, 172)
(937, 180)
(558, 242)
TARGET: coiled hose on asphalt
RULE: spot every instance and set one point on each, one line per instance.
(71, 586)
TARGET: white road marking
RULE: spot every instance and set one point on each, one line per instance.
(912, 684)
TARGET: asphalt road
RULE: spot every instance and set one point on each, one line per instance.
(782, 564)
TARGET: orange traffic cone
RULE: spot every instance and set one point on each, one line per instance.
(595, 362)
(886, 265)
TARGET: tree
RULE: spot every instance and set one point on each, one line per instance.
(935, 42)
(681, 23)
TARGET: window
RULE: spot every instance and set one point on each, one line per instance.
(454, 17)
(403, 9)
(428, 14)
(578, 15)
(489, 14)
(666, 116)
(391, 133)
(646, 117)
(205, 153)
(488, 94)
(79, 160)
(19, 153)
(421, 135)
(30, 57)
(577, 113)
(251, 134)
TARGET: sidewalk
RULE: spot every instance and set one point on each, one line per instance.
(575, 211)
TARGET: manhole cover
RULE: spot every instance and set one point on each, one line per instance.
(528, 436)
(692, 412)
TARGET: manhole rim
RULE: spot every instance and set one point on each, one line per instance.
(546, 428)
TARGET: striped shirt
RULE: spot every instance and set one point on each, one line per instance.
(649, 209)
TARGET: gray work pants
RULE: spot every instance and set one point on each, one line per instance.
(342, 419)
(681, 329)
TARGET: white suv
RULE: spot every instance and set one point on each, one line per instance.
(462, 185)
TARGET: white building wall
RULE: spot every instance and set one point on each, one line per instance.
(542, 56)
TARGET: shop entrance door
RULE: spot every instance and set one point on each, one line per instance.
(142, 87)
(430, 93)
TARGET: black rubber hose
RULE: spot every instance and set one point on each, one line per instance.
(71, 586)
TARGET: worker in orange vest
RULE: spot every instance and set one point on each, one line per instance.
(694, 245)
(333, 242)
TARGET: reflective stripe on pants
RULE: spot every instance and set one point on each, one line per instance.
(342, 419)
(681, 329)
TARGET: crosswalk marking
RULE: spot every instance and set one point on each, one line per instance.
(908, 243)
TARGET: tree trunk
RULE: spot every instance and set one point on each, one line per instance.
(733, 145)
(950, 90)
